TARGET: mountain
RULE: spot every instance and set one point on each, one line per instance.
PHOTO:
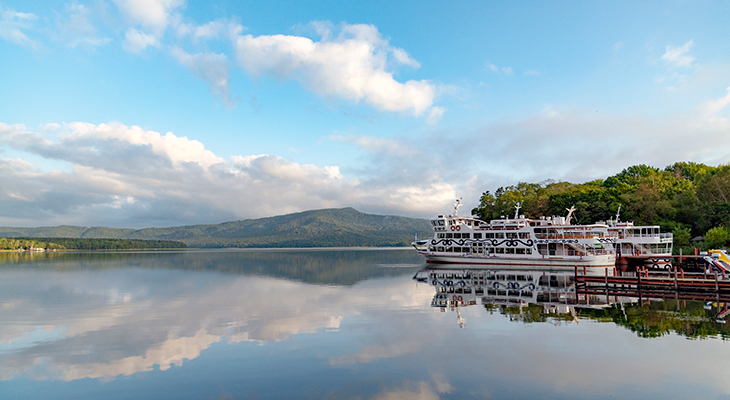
(317, 228)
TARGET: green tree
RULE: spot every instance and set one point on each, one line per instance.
(716, 237)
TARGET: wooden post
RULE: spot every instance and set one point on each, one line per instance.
(717, 288)
(608, 299)
(638, 286)
(676, 284)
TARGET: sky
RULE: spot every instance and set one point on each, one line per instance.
(152, 113)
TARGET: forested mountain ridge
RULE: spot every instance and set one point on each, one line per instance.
(686, 198)
(316, 228)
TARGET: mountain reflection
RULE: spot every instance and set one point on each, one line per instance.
(327, 266)
(101, 316)
(531, 296)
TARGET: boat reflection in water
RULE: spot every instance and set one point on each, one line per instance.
(555, 291)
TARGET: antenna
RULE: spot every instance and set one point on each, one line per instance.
(618, 212)
(518, 205)
(456, 206)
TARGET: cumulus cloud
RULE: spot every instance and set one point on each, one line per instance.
(677, 56)
(352, 65)
(12, 25)
(210, 67)
(126, 176)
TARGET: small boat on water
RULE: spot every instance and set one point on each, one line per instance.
(518, 242)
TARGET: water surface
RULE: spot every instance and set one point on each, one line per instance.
(333, 324)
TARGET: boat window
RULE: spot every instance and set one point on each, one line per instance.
(524, 235)
(433, 223)
(528, 251)
(489, 235)
(510, 250)
(499, 235)
(499, 250)
(441, 235)
(465, 235)
(520, 251)
(441, 222)
(449, 235)
(457, 235)
(477, 236)
(511, 235)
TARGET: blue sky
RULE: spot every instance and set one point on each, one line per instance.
(134, 113)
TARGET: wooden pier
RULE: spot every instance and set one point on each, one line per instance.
(644, 283)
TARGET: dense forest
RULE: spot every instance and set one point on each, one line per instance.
(30, 244)
(688, 199)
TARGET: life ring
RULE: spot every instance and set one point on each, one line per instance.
(458, 227)
(453, 227)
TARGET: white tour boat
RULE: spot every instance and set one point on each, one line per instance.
(519, 242)
(645, 240)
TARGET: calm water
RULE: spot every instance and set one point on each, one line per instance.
(326, 325)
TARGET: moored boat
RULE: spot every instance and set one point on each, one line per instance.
(518, 242)
(645, 241)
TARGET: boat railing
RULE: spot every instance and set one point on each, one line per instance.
(556, 236)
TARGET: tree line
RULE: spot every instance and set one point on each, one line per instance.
(29, 244)
(688, 199)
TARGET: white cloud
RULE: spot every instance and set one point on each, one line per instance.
(75, 27)
(153, 14)
(378, 145)
(12, 24)
(677, 56)
(210, 67)
(497, 70)
(352, 66)
(435, 115)
(173, 180)
(136, 41)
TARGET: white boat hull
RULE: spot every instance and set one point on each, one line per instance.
(566, 263)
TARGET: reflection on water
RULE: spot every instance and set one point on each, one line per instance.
(545, 295)
(335, 324)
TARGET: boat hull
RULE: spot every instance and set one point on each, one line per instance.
(564, 263)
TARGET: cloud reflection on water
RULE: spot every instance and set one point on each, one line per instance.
(114, 324)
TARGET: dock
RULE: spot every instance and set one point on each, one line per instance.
(646, 283)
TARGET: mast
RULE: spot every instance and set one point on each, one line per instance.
(570, 214)
(456, 206)
(518, 205)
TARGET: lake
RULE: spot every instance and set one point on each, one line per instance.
(328, 324)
